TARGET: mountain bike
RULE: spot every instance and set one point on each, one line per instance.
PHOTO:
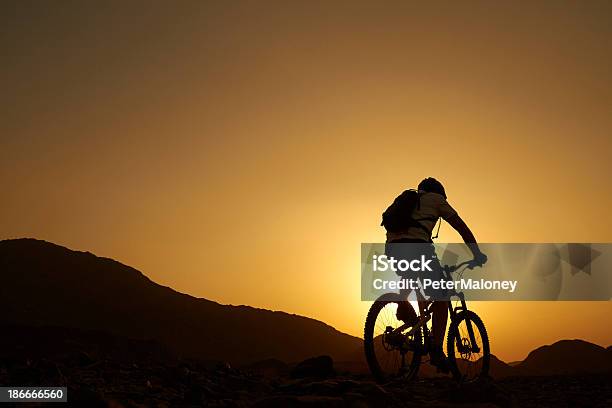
(395, 350)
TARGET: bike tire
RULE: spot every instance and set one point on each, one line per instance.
(480, 366)
(370, 340)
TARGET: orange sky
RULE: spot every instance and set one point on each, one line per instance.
(242, 151)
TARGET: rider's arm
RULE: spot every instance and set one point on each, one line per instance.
(461, 227)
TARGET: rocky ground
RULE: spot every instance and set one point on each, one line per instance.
(110, 383)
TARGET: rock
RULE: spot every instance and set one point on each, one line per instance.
(50, 373)
(317, 367)
(308, 401)
(195, 395)
(86, 397)
(270, 368)
(329, 388)
(84, 359)
(25, 375)
(356, 400)
(484, 391)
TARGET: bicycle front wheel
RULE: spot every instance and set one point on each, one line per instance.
(467, 346)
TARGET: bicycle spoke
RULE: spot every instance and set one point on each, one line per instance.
(469, 362)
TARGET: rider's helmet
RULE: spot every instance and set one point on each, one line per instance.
(432, 185)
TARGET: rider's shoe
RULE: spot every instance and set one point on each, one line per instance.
(438, 359)
(396, 339)
(405, 312)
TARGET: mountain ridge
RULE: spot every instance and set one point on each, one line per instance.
(54, 285)
(567, 356)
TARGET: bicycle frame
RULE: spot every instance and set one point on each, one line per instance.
(425, 314)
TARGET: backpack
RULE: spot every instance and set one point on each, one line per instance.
(398, 216)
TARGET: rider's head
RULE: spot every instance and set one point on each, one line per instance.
(432, 185)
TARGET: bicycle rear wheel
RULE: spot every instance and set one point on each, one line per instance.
(389, 355)
(469, 358)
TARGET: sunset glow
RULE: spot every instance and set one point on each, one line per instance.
(242, 154)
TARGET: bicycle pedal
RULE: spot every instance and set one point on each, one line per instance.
(395, 339)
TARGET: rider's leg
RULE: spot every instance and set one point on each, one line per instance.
(440, 317)
(405, 311)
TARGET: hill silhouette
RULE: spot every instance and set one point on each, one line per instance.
(51, 285)
(566, 357)
(500, 369)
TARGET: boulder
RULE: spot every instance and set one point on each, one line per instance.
(316, 367)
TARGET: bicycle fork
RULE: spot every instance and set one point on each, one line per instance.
(473, 347)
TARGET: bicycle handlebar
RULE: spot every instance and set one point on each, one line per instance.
(471, 264)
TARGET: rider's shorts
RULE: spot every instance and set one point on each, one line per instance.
(410, 249)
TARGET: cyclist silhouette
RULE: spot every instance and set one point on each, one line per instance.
(432, 206)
